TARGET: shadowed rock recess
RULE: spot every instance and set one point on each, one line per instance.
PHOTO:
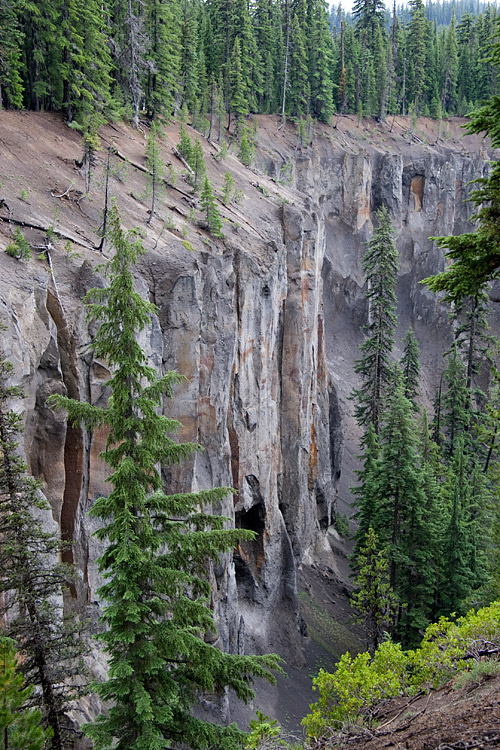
(265, 324)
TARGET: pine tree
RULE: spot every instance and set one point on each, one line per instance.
(410, 365)
(320, 63)
(401, 521)
(209, 206)
(20, 727)
(197, 164)
(11, 64)
(373, 596)
(185, 145)
(156, 592)
(154, 165)
(245, 152)
(380, 268)
(238, 103)
(450, 67)
(456, 400)
(457, 578)
(475, 255)
(417, 33)
(299, 87)
(162, 24)
(367, 491)
(49, 645)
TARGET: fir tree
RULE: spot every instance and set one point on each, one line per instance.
(417, 34)
(373, 596)
(197, 164)
(185, 145)
(410, 365)
(245, 152)
(50, 646)
(154, 165)
(238, 104)
(456, 400)
(366, 492)
(11, 63)
(457, 577)
(228, 188)
(475, 255)
(162, 22)
(156, 594)
(209, 206)
(380, 268)
(20, 727)
(400, 521)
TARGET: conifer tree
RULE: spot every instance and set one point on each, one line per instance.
(197, 163)
(11, 64)
(244, 153)
(162, 26)
(238, 104)
(209, 206)
(20, 727)
(156, 593)
(154, 165)
(456, 400)
(417, 33)
(380, 268)
(299, 88)
(367, 490)
(373, 596)
(401, 522)
(457, 578)
(410, 365)
(50, 646)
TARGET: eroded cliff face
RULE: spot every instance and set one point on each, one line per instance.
(265, 325)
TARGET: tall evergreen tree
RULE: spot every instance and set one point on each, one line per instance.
(400, 521)
(410, 365)
(49, 645)
(417, 36)
(373, 596)
(380, 264)
(367, 490)
(11, 63)
(456, 400)
(154, 165)
(20, 727)
(156, 592)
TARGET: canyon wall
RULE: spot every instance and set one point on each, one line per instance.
(265, 326)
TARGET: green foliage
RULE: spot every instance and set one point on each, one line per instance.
(410, 365)
(263, 730)
(20, 727)
(50, 645)
(143, 59)
(155, 166)
(373, 596)
(197, 163)
(380, 267)
(156, 594)
(245, 151)
(479, 673)
(341, 524)
(449, 647)
(20, 248)
(209, 206)
(185, 145)
(355, 687)
(228, 188)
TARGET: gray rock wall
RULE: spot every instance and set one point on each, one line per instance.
(265, 326)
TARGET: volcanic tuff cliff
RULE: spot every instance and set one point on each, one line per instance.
(265, 325)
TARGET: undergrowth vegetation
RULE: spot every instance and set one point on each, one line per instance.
(465, 649)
